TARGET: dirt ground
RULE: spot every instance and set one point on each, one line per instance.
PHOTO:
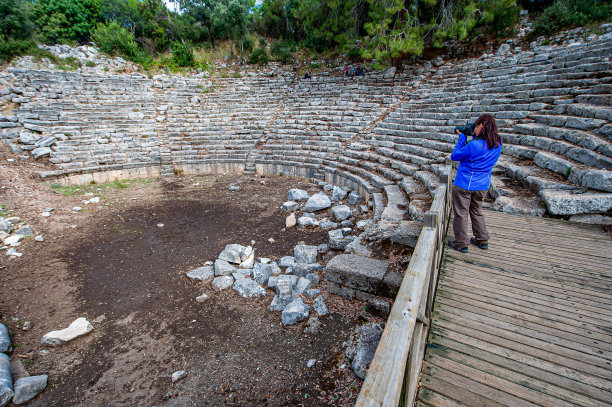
(113, 263)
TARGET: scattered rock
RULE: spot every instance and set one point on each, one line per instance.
(39, 238)
(178, 375)
(306, 221)
(290, 221)
(223, 268)
(6, 380)
(317, 202)
(27, 388)
(305, 254)
(5, 339)
(326, 224)
(354, 198)
(234, 188)
(342, 212)
(248, 288)
(338, 194)
(202, 273)
(338, 240)
(222, 282)
(79, 327)
(302, 285)
(320, 307)
(295, 312)
(262, 272)
(202, 298)
(290, 206)
(286, 261)
(312, 292)
(362, 346)
(312, 326)
(311, 363)
(24, 231)
(298, 195)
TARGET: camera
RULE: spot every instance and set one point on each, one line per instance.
(468, 129)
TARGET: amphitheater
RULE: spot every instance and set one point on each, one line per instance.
(386, 135)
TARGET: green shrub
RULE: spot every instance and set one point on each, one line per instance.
(113, 39)
(259, 56)
(281, 51)
(182, 54)
(564, 14)
(247, 44)
(90, 64)
(263, 43)
(15, 48)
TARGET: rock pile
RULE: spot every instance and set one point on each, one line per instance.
(25, 388)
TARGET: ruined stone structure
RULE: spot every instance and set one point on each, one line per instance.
(383, 135)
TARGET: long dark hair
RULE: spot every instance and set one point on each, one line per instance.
(489, 131)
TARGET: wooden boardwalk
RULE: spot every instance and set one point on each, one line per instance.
(527, 322)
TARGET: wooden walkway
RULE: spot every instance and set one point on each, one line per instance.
(527, 322)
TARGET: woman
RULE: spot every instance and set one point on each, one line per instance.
(476, 161)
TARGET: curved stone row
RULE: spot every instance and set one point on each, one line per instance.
(384, 135)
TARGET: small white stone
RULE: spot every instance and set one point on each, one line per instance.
(160, 225)
(290, 221)
(39, 238)
(46, 214)
(176, 376)
(271, 240)
(77, 208)
(311, 363)
(202, 298)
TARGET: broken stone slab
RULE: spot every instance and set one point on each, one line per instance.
(298, 195)
(78, 328)
(307, 221)
(6, 380)
(358, 272)
(222, 282)
(314, 277)
(354, 198)
(357, 246)
(520, 205)
(41, 152)
(317, 202)
(12, 240)
(560, 202)
(24, 231)
(295, 312)
(338, 194)
(223, 268)
(593, 219)
(284, 294)
(201, 273)
(5, 226)
(312, 326)
(286, 261)
(236, 253)
(5, 339)
(362, 346)
(29, 387)
(302, 285)
(407, 233)
(248, 288)
(262, 272)
(303, 269)
(338, 240)
(327, 224)
(290, 206)
(312, 292)
(305, 253)
(320, 307)
(290, 221)
(293, 279)
(342, 212)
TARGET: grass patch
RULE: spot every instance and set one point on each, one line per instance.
(4, 212)
(121, 230)
(98, 189)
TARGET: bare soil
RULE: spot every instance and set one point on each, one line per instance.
(114, 264)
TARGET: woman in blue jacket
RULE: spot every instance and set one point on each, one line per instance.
(476, 161)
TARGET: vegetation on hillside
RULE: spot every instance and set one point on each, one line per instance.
(382, 30)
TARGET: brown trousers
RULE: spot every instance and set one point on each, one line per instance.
(468, 202)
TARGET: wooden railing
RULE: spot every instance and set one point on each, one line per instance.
(393, 376)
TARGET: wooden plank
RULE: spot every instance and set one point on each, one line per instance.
(535, 316)
(477, 386)
(569, 389)
(597, 315)
(524, 304)
(450, 390)
(485, 376)
(436, 399)
(527, 346)
(534, 280)
(594, 356)
(449, 305)
(519, 356)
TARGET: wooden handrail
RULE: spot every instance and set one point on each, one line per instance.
(392, 378)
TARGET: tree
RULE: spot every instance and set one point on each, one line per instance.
(202, 12)
(231, 18)
(60, 21)
(15, 21)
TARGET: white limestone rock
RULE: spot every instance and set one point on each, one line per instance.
(298, 195)
(317, 202)
(29, 387)
(295, 312)
(79, 327)
(222, 282)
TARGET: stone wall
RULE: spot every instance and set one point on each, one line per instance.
(553, 107)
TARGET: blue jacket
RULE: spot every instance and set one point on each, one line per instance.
(475, 163)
